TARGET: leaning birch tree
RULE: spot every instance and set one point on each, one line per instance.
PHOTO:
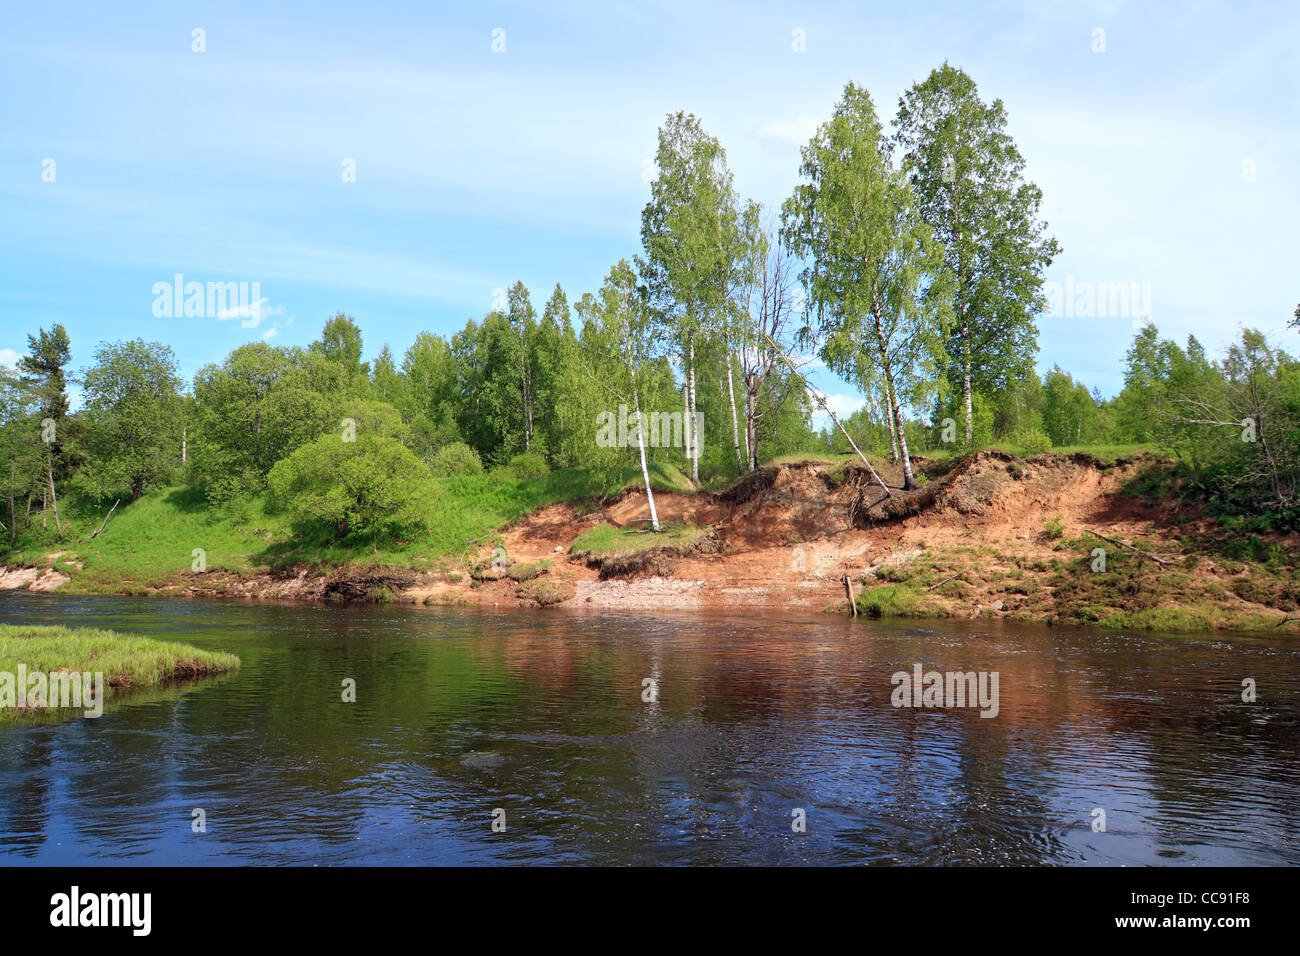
(879, 293)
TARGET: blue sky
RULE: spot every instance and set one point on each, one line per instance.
(1169, 160)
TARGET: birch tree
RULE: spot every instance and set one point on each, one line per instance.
(878, 289)
(968, 177)
(688, 231)
(765, 335)
(619, 310)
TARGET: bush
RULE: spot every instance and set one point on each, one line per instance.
(1033, 440)
(529, 464)
(456, 460)
(368, 488)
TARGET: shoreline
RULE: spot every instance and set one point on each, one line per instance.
(992, 537)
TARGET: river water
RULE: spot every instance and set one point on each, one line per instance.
(539, 721)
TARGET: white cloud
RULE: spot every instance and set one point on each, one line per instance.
(250, 314)
(9, 358)
(844, 405)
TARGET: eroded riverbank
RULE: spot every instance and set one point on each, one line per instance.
(1049, 539)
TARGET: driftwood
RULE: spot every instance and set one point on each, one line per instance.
(104, 523)
(848, 586)
(947, 579)
(1138, 551)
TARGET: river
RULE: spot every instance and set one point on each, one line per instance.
(657, 739)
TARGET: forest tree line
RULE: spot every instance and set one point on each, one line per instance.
(907, 261)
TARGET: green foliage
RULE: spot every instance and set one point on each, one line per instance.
(455, 460)
(1071, 414)
(968, 176)
(879, 290)
(529, 464)
(255, 408)
(131, 420)
(1034, 441)
(370, 488)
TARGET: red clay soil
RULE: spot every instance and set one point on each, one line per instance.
(788, 535)
(1013, 532)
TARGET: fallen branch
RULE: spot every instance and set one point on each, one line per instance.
(817, 397)
(947, 579)
(848, 586)
(1138, 551)
(105, 521)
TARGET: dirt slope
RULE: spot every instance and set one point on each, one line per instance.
(993, 535)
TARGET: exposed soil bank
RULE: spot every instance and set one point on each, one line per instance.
(993, 536)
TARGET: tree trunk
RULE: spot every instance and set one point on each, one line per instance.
(640, 447)
(908, 481)
(685, 418)
(965, 378)
(751, 427)
(735, 425)
(54, 499)
(889, 421)
(527, 384)
(695, 436)
(1273, 482)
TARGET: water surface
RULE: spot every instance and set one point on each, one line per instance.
(541, 714)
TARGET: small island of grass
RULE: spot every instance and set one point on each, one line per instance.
(127, 661)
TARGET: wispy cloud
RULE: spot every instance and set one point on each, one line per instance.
(250, 314)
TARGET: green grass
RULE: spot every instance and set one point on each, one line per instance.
(146, 543)
(526, 572)
(606, 541)
(1106, 454)
(148, 540)
(127, 661)
(885, 600)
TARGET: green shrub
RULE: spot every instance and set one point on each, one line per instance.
(1033, 440)
(529, 464)
(455, 460)
(370, 488)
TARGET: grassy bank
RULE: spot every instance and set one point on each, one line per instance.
(1188, 584)
(147, 542)
(992, 535)
(128, 662)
